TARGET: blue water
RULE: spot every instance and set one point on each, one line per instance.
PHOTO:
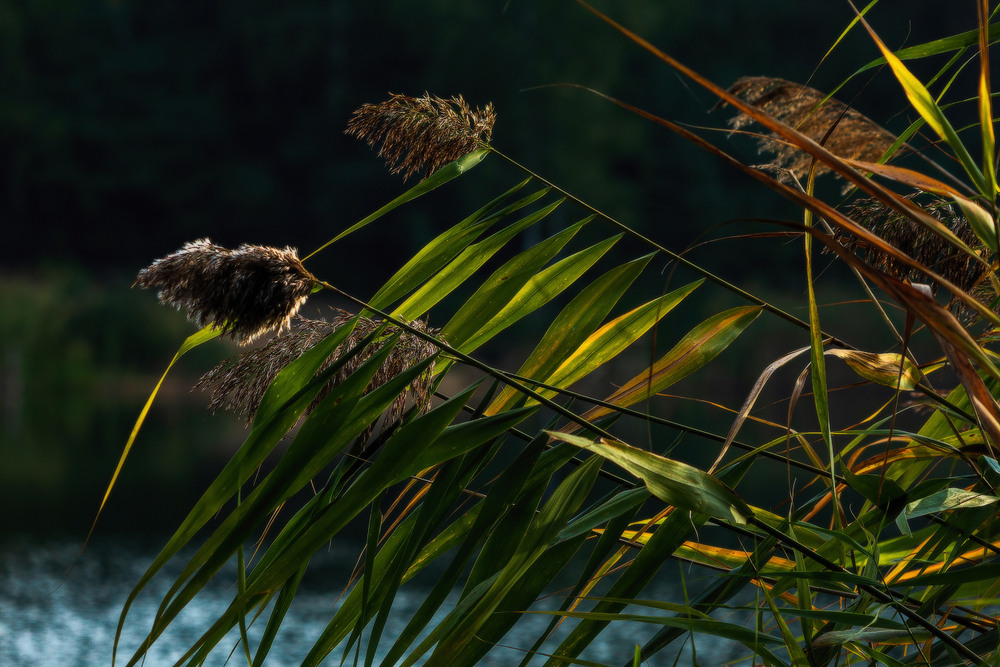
(48, 619)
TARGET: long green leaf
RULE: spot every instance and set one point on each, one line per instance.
(192, 341)
(924, 103)
(702, 344)
(445, 247)
(435, 180)
(497, 290)
(239, 525)
(563, 503)
(608, 341)
(671, 481)
(546, 285)
(573, 325)
(444, 282)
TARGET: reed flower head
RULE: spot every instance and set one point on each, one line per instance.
(246, 292)
(422, 133)
(851, 134)
(238, 384)
(917, 242)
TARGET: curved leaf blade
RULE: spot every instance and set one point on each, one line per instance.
(608, 341)
(673, 482)
(702, 344)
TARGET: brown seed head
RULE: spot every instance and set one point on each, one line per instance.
(238, 384)
(927, 248)
(422, 133)
(246, 292)
(853, 135)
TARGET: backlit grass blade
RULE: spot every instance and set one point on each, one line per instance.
(502, 495)
(258, 444)
(643, 568)
(986, 106)
(435, 180)
(409, 451)
(673, 482)
(695, 349)
(541, 288)
(608, 341)
(928, 108)
(192, 341)
(573, 325)
(437, 505)
(605, 554)
(460, 268)
(239, 525)
(533, 584)
(446, 245)
(936, 47)
(497, 290)
(400, 458)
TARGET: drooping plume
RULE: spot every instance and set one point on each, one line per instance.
(422, 133)
(853, 134)
(238, 384)
(914, 240)
(246, 292)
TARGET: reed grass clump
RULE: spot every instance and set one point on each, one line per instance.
(246, 293)
(421, 134)
(882, 543)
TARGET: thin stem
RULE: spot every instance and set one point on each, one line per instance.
(504, 377)
(680, 259)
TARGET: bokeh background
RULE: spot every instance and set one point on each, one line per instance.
(128, 128)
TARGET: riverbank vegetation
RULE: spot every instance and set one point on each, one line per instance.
(843, 508)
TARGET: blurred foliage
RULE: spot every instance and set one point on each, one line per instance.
(77, 358)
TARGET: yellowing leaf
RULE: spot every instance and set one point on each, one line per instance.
(881, 368)
(929, 110)
(609, 340)
(697, 348)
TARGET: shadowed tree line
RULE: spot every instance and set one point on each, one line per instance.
(127, 127)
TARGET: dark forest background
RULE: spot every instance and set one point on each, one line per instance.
(128, 128)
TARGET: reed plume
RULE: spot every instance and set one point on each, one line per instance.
(422, 133)
(851, 134)
(238, 384)
(929, 249)
(246, 292)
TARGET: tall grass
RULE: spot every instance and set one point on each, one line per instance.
(881, 547)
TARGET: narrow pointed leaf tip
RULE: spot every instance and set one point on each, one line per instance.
(673, 482)
(422, 133)
(245, 293)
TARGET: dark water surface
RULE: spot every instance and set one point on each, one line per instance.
(45, 620)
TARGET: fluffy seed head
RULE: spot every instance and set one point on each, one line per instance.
(927, 248)
(422, 133)
(853, 134)
(238, 384)
(246, 292)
